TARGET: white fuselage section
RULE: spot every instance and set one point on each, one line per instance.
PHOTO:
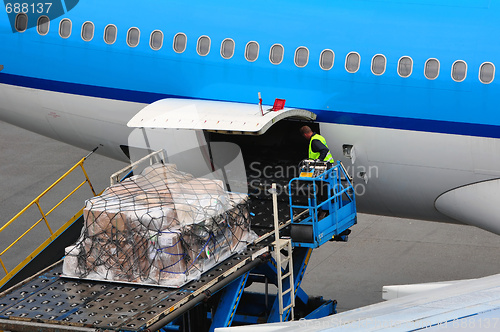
(396, 172)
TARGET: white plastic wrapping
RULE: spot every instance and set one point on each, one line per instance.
(162, 227)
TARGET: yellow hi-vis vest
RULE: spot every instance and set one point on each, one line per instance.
(315, 155)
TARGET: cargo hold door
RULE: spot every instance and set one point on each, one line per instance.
(215, 116)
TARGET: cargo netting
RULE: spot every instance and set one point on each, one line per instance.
(162, 227)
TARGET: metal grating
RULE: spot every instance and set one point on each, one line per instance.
(51, 299)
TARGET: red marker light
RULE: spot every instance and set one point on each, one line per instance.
(279, 104)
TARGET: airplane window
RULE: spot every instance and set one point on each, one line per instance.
(378, 64)
(405, 66)
(487, 73)
(110, 34)
(326, 59)
(180, 41)
(227, 48)
(203, 47)
(87, 31)
(431, 70)
(301, 56)
(276, 54)
(156, 40)
(65, 28)
(252, 51)
(352, 62)
(42, 25)
(459, 71)
(21, 23)
(133, 37)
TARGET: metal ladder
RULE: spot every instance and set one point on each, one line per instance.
(279, 245)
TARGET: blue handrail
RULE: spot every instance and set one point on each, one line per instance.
(338, 204)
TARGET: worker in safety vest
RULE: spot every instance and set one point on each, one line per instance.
(317, 145)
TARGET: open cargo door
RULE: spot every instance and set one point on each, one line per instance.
(215, 116)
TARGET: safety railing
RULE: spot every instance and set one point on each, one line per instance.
(326, 195)
(327, 182)
(44, 219)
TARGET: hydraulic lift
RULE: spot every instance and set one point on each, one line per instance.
(331, 204)
(222, 296)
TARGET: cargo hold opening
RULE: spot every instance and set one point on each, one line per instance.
(271, 157)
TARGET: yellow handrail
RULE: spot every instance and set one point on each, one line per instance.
(36, 201)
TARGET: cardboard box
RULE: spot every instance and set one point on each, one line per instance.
(99, 222)
(167, 254)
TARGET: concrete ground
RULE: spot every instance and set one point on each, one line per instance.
(392, 251)
(29, 163)
(381, 251)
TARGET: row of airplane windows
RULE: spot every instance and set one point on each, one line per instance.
(301, 58)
